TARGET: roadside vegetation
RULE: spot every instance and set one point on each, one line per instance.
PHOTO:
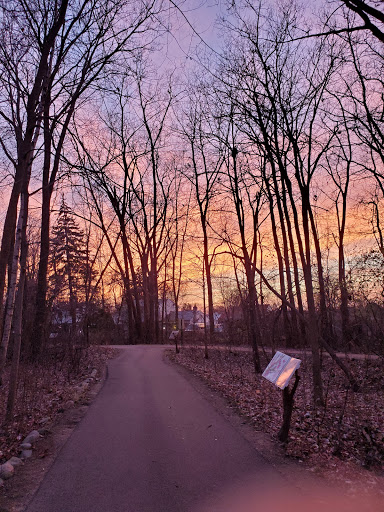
(46, 390)
(337, 441)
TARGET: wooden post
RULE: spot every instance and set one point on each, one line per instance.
(288, 401)
(182, 332)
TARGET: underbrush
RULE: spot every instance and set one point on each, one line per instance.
(45, 390)
(350, 426)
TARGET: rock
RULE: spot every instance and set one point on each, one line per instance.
(26, 454)
(44, 431)
(77, 393)
(15, 461)
(32, 437)
(69, 404)
(6, 470)
(25, 446)
(44, 420)
(1, 482)
(94, 373)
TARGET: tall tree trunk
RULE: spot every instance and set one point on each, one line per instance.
(294, 262)
(249, 266)
(72, 296)
(7, 239)
(252, 314)
(208, 276)
(325, 330)
(293, 325)
(18, 314)
(205, 316)
(11, 293)
(26, 143)
(279, 256)
(147, 307)
(344, 299)
(38, 336)
(130, 268)
(155, 299)
(313, 334)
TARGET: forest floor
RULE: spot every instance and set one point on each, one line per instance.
(342, 442)
(53, 397)
(46, 390)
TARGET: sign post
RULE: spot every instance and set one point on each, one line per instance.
(280, 371)
(174, 336)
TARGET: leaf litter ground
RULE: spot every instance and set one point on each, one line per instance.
(342, 441)
(45, 391)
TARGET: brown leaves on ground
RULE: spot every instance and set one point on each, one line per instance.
(336, 440)
(45, 390)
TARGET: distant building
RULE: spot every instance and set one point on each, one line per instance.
(61, 319)
(193, 320)
(168, 306)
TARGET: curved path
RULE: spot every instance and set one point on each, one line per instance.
(151, 443)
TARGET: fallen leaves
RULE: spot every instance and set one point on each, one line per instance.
(46, 390)
(344, 435)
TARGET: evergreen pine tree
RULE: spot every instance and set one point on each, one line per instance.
(69, 261)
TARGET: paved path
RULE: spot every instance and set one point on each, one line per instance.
(289, 351)
(150, 443)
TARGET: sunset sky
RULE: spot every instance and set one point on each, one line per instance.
(194, 34)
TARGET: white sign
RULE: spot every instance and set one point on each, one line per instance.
(280, 369)
(174, 335)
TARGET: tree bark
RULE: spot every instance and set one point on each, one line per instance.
(18, 315)
(26, 143)
(11, 295)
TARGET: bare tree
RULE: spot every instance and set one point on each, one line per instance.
(347, 17)
(18, 312)
(136, 184)
(91, 60)
(368, 12)
(281, 87)
(181, 203)
(197, 128)
(28, 36)
(245, 187)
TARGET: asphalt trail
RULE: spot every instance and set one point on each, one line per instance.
(151, 443)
